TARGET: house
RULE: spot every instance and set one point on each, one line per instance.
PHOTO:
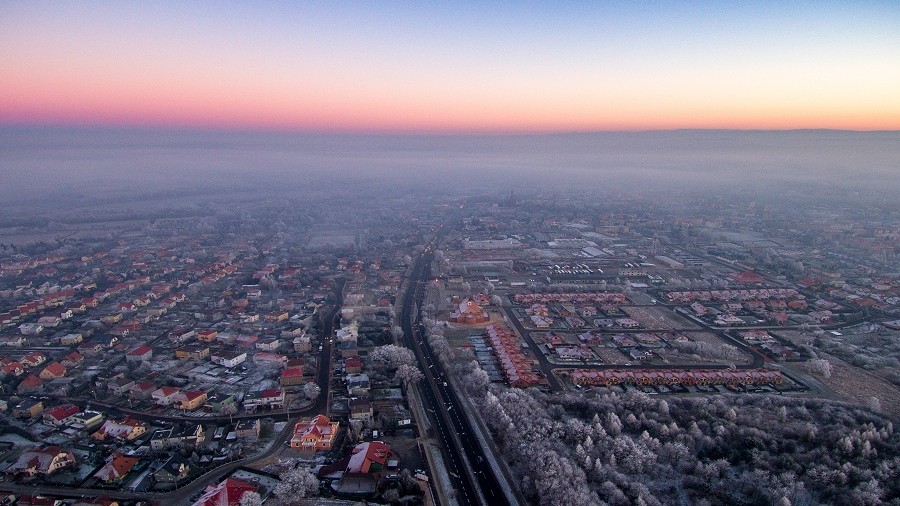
(357, 384)
(120, 385)
(29, 384)
(271, 398)
(192, 352)
(71, 339)
(248, 429)
(207, 336)
(17, 341)
(126, 307)
(86, 419)
(316, 434)
(265, 358)
(31, 329)
(270, 344)
(187, 435)
(302, 343)
(361, 409)
(192, 400)
(174, 470)
(139, 354)
(353, 365)
(226, 493)
(142, 390)
(218, 402)
(49, 321)
(72, 359)
(468, 312)
(60, 415)
(116, 468)
(166, 396)
(127, 429)
(28, 408)
(291, 377)
(53, 370)
(228, 358)
(15, 369)
(246, 341)
(277, 316)
(181, 335)
(369, 457)
(33, 359)
(90, 348)
(44, 461)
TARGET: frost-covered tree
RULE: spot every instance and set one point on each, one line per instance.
(391, 356)
(251, 499)
(297, 482)
(820, 366)
(408, 374)
(311, 391)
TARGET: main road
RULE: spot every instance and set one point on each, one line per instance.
(450, 426)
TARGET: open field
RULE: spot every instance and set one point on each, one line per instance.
(853, 384)
(658, 318)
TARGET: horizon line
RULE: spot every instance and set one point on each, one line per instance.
(402, 132)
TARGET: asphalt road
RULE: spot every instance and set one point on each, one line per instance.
(448, 419)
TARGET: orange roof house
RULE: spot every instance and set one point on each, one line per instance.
(468, 312)
(53, 370)
(226, 493)
(117, 468)
(368, 457)
(316, 434)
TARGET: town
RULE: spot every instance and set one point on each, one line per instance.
(259, 354)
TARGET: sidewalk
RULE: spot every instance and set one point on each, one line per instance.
(440, 480)
(490, 450)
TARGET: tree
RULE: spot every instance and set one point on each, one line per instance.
(251, 499)
(391, 495)
(408, 374)
(391, 357)
(820, 366)
(296, 483)
(874, 404)
(311, 391)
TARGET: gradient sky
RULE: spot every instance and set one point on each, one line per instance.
(431, 66)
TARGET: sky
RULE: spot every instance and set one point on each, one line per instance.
(474, 67)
